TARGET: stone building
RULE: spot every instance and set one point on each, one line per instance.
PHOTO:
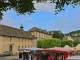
(12, 39)
(39, 34)
(68, 38)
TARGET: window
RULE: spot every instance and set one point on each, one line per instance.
(25, 46)
(22, 47)
(10, 39)
(19, 39)
(22, 39)
(25, 40)
(18, 47)
(33, 42)
(37, 34)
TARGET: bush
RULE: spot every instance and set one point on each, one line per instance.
(66, 42)
(76, 42)
(48, 43)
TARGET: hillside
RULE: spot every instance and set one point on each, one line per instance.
(74, 33)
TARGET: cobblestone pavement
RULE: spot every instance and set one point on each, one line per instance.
(9, 58)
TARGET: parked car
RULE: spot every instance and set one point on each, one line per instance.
(6, 53)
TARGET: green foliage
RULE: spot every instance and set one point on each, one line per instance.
(72, 33)
(20, 6)
(48, 43)
(76, 42)
(57, 34)
(27, 6)
(66, 42)
(39, 42)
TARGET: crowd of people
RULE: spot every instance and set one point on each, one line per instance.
(40, 56)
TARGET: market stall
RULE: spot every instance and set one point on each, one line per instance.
(63, 53)
(77, 50)
(72, 48)
(28, 53)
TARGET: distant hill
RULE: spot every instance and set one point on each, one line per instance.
(74, 33)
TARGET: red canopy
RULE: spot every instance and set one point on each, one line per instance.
(62, 50)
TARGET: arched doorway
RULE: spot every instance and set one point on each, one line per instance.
(10, 48)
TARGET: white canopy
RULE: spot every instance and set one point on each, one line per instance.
(74, 58)
(78, 47)
(31, 49)
(66, 46)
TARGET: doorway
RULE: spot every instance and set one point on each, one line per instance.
(10, 48)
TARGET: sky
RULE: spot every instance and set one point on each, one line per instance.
(45, 18)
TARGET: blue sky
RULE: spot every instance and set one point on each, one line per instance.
(66, 21)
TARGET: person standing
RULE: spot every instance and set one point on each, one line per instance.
(27, 56)
(20, 55)
(51, 57)
(24, 55)
(48, 57)
(30, 56)
(35, 57)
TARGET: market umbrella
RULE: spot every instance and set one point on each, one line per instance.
(77, 47)
(31, 49)
(66, 46)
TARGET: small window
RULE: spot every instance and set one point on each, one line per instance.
(25, 46)
(19, 39)
(18, 47)
(25, 40)
(10, 39)
(33, 42)
(22, 47)
(22, 40)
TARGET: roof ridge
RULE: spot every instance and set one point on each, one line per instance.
(9, 26)
(11, 31)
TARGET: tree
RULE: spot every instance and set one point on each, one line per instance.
(66, 42)
(48, 43)
(76, 42)
(27, 6)
(57, 34)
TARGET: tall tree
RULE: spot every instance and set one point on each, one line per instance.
(27, 6)
(57, 34)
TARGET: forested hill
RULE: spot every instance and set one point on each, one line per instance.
(74, 33)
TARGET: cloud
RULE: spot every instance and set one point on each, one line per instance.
(62, 23)
(45, 7)
(60, 15)
(26, 19)
(8, 21)
(67, 25)
(76, 24)
(43, 15)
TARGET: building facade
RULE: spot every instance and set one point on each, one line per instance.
(39, 34)
(68, 38)
(13, 39)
